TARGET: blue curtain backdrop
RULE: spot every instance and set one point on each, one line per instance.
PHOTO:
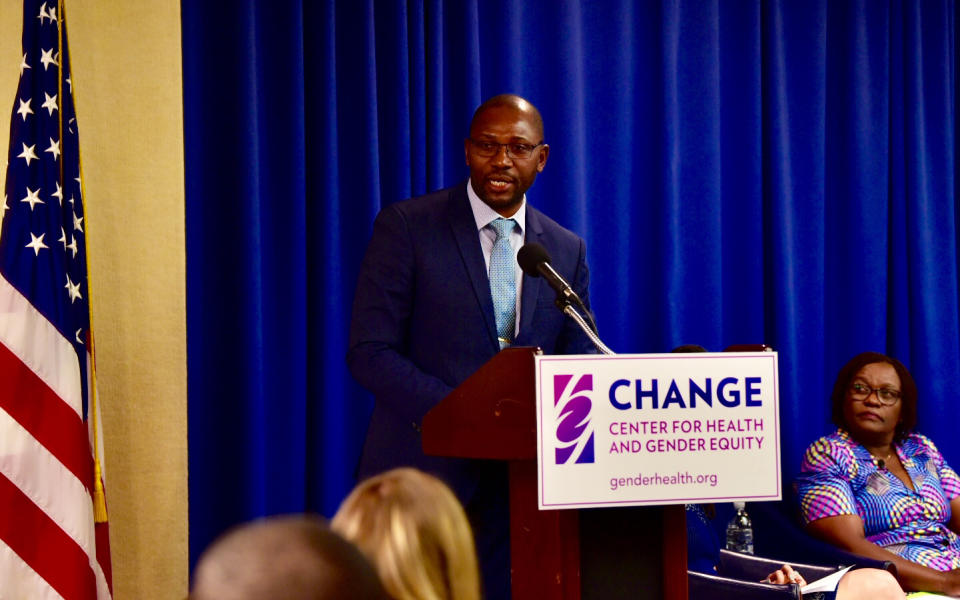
(770, 171)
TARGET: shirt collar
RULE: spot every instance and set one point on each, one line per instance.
(483, 214)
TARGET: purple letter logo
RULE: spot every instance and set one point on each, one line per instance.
(572, 399)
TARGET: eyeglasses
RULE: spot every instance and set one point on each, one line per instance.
(885, 396)
(517, 151)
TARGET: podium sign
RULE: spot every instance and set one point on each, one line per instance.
(630, 430)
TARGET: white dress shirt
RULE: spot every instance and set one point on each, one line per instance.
(484, 215)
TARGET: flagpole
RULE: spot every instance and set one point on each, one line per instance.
(99, 495)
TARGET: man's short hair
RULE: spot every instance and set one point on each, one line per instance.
(513, 101)
(284, 558)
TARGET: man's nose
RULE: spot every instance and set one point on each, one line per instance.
(501, 157)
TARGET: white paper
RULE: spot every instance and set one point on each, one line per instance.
(825, 584)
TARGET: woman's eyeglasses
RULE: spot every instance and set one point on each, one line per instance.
(886, 396)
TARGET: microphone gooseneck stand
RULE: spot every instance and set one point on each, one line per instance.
(535, 262)
(571, 312)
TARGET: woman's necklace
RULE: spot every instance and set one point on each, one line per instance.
(881, 462)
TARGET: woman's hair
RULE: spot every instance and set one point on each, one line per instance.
(908, 391)
(413, 529)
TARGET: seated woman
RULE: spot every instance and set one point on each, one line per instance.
(876, 488)
(413, 529)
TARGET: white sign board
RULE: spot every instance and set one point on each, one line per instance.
(657, 429)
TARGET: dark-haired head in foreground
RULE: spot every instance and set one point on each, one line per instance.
(284, 558)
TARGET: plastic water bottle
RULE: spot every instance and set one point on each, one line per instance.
(740, 531)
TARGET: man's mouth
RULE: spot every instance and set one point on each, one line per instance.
(499, 184)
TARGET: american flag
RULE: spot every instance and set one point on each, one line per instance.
(53, 536)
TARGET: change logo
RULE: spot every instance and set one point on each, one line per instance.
(572, 404)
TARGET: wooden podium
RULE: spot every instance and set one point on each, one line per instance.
(555, 554)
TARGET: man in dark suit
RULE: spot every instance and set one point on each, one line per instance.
(439, 293)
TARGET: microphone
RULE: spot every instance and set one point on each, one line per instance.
(535, 262)
(881, 465)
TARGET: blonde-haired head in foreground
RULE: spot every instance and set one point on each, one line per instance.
(413, 529)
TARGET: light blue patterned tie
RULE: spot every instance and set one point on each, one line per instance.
(503, 281)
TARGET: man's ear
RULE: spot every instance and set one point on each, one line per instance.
(542, 158)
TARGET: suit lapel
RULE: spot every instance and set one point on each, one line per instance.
(464, 229)
(531, 285)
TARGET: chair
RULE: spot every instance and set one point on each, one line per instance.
(714, 587)
(782, 518)
(742, 575)
(776, 534)
(753, 568)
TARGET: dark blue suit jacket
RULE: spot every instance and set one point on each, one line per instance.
(423, 320)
